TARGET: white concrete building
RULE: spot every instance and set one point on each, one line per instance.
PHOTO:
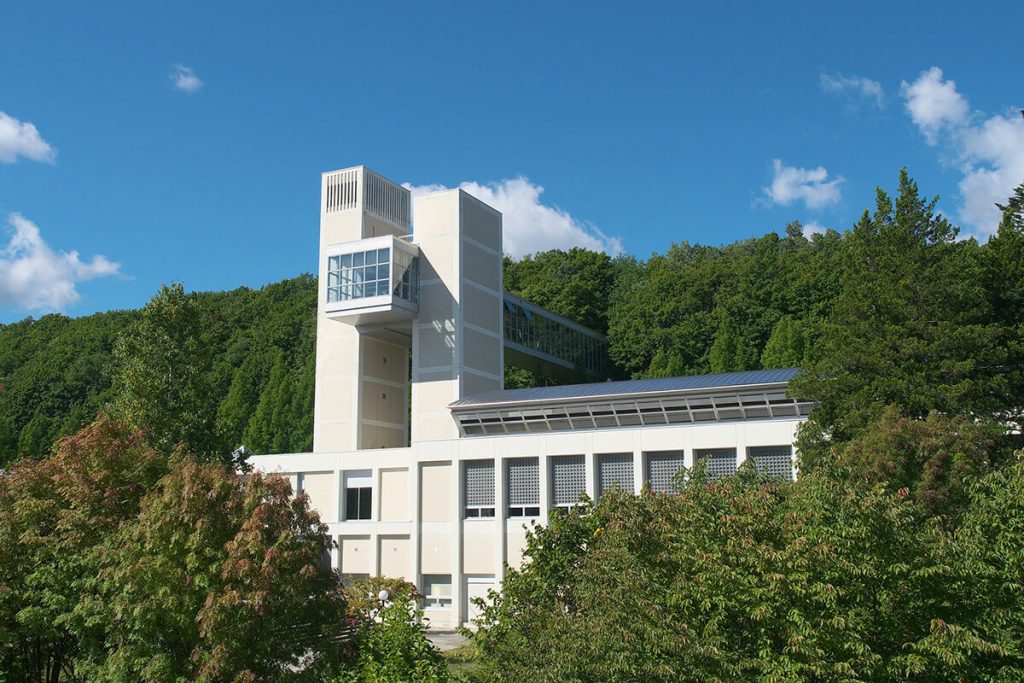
(422, 466)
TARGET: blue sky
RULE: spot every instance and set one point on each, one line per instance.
(143, 143)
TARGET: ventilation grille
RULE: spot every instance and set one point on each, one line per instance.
(479, 483)
(615, 471)
(386, 200)
(568, 479)
(523, 482)
(721, 462)
(775, 462)
(662, 469)
(342, 191)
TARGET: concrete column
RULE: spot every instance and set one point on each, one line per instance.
(457, 575)
(500, 514)
(544, 472)
(638, 469)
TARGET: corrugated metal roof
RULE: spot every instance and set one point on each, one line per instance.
(630, 387)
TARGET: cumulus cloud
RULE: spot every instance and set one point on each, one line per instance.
(811, 186)
(854, 87)
(35, 277)
(933, 104)
(813, 228)
(185, 79)
(530, 225)
(989, 152)
(22, 139)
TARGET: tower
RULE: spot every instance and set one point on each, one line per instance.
(399, 311)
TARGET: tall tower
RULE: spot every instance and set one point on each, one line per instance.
(396, 313)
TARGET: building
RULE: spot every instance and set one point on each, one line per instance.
(422, 466)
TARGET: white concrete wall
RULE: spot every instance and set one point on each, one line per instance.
(457, 340)
(418, 520)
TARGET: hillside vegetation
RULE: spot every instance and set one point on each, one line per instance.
(894, 310)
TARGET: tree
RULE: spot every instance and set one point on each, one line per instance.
(935, 460)
(575, 283)
(160, 367)
(391, 637)
(787, 345)
(744, 579)
(56, 515)
(911, 328)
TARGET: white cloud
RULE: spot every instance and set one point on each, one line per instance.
(856, 87)
(34, 277)
(185, 79)
(22, 139)
(529, 225)
(813, 228)
(933, 104)
(989, 152)
(808, 185)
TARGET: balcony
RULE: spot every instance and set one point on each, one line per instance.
(373, 281)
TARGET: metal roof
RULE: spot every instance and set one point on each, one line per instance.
(632, 387)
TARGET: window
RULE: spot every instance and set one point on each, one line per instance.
(615, 471)
(360, 275)
(775, 462)
(478, 485)
(358, 495)
(523, 487)
(568, 480)
(407, 276)
(437, 591)
(721, 462)
(662, 468)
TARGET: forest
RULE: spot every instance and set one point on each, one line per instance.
(780, 300)
(136, 546)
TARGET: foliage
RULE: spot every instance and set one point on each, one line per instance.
(57, 517)
(911, 328)
(392, 643)
(936, 459)
(893, 312)
(115, 568)
(362, 596)
(219, 580)
(57, 373)
(575, 283)
(161, 376)
(744, 579)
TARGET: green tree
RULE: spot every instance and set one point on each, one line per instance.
(219, 579)
(35, 437)
(936, 460)
(787, 345)
(56, 516)
(161, 386)
(744, 579)
(911, 328)
(391, 638)
(575, 283)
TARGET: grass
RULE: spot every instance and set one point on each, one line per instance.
(462, 661)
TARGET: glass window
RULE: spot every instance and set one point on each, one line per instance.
(568, 480)
(437, 591)
(360, 275)
(615, 471)
(358, 495)
(721, 462)
(775, 462)
(478, 486)
(662, 469)
(523, 487)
